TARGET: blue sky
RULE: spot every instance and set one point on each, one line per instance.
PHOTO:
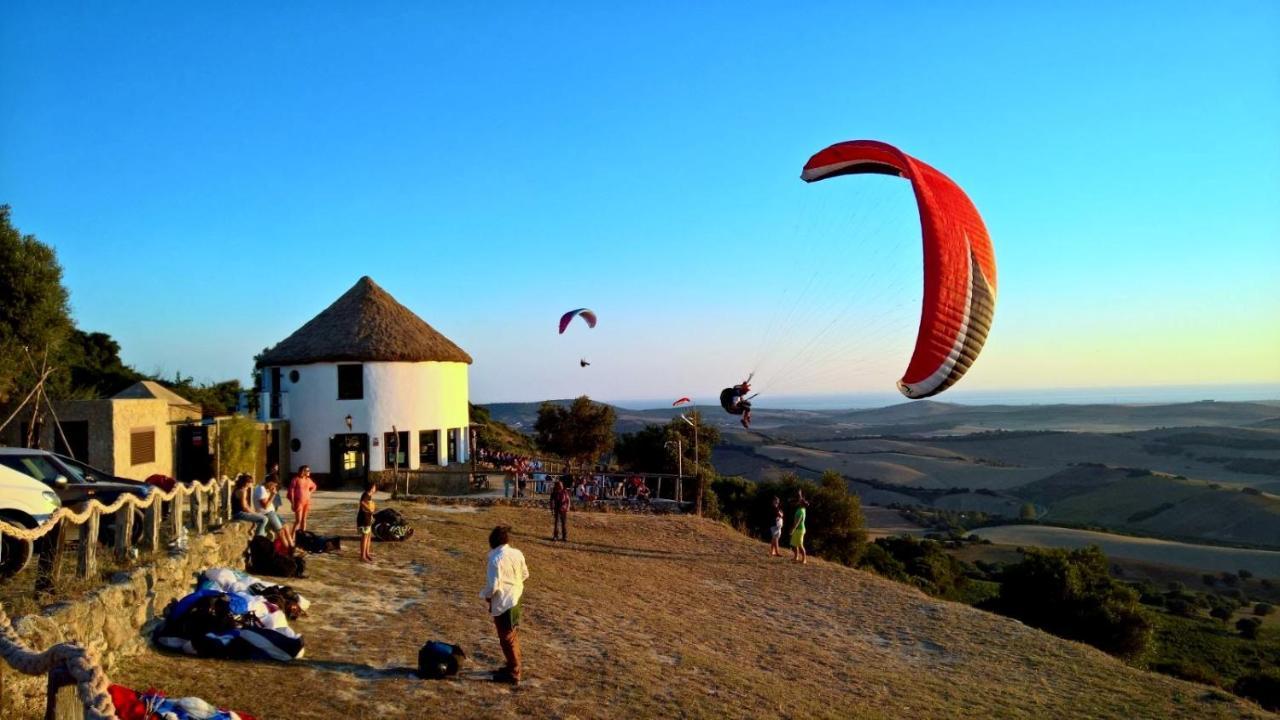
(213, 177)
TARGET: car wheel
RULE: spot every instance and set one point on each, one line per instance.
(14, 556)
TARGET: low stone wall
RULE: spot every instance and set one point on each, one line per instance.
(111, 620)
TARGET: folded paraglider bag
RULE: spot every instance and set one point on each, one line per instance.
(438, 660)
(249, 644)
(390, 526)
(313, 543)
(283, 597)
(263, 558)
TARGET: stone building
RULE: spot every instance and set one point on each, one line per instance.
(129, 435)
(367, 386)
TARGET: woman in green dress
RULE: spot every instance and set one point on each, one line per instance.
(797, 530)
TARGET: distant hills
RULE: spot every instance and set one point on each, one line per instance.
(1201, 470)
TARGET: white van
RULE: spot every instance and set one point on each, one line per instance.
(26, 502)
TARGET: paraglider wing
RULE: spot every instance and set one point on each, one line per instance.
(587, 315)
(681, 401)
(959, 262)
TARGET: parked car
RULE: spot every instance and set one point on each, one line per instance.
(26, 503)
(75, 483)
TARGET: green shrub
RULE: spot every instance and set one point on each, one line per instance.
(924, 563)
(1262, 687)
(1220, 612)
(1248, 627)
(1071, 594)
(1209, 579)
(1262, 609)
(238, 442)
(1189, 670)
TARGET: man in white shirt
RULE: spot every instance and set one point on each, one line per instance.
(503, 587)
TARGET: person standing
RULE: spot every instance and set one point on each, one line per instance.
(504, 584)
(300, 498)
(776, 530)
(560, 512)
(364, 520)
(797, 530)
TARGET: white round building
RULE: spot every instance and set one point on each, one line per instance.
(368, 386)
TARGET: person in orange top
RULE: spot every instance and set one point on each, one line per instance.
(300, 497)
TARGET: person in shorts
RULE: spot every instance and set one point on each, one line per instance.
(264, 503)
(797, 530)
(364, 520)
(776, 530)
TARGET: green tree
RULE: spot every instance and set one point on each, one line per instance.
(1072, 594)
(1027, 511)
(1248, 627)
(34, 313)
(93, 360)
(237, 446)
(835, 528)
(581, 432)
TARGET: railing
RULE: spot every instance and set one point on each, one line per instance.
(77, 686)
(601, 486)
(139, 528)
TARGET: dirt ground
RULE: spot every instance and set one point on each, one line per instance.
(643, 616)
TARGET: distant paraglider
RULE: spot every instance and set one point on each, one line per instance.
(587, 315)
(681, 401)
(959, 263)
(583, 363)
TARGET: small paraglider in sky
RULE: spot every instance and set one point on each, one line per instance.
(583, 363)
(587, 315)
(681, 401)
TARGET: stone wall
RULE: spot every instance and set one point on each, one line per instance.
(114, 620)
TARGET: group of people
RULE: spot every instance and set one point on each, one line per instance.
(797, 528)
(260, 504)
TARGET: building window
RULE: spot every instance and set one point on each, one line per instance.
(453, 446)
(397, 449)
(295, 444)
(428, 447)
(350, 382)
(142, 446)
(294, 376)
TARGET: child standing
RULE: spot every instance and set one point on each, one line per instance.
(364, 520)
(777, 528)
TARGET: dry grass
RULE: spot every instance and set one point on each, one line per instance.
(660, 617)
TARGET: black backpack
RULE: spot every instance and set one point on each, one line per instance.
(438, 660)
(390, 526)
(313, 543)
(261, 558)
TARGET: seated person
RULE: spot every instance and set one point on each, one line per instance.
(264, 503)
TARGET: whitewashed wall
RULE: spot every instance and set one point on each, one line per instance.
(410, 396)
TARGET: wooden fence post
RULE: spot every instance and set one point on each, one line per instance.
(197, 512)
(62, 702)
(88, 550)
(215, 505)
(124, 531)
(151, 537)
(228, 509)
(176, 514)
(49, 557)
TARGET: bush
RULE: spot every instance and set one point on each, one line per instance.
(1209, 579)
(1244, 574)
(1220, 612)
(1263, 688)
(1189, 670)
(1262, 609)
(1229, 579)
(835, 529)
(1248, 627)
(1180, 606)
(1070, 594)
(237, 446)
(924, 563)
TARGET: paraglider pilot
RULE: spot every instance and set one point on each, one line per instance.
(734, 400)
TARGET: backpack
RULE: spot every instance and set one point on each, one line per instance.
(283, 597)
(390, 526)
(263, 558)
(313, 543)
(438, 660)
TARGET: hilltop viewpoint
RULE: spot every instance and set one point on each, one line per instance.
(658, 616)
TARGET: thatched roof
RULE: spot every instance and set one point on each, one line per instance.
(365, 324)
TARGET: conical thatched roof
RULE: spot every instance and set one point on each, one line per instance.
(151, 390)
(365, 324)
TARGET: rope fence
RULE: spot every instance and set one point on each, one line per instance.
(137, 526)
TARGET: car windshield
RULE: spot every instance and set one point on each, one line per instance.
(82, 472)
(36, 466)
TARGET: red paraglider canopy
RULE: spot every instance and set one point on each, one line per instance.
(959, 262)
(681, 401)
(568, 317)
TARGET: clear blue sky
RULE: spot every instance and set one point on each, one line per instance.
(213, 177)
